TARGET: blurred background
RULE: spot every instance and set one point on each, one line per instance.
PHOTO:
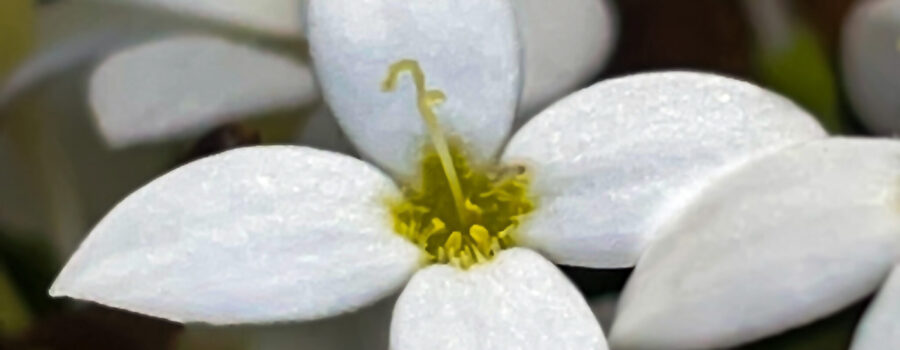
(84, 122)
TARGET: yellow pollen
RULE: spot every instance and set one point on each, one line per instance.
(456, 212)
(427, 100)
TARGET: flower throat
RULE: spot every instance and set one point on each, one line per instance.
(456, 212)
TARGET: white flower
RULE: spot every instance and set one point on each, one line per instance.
(775, 244)
(172, 86)
(164, 76)
(284, 233)
(871, 63)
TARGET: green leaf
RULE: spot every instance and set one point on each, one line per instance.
(801, 72)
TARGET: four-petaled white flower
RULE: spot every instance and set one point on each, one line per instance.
(776, 244)
(281, 233)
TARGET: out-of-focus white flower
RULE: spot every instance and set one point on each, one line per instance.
(871, 63)
(160, 76)
(280, 18)
(773, 245)
(281, 233)
(182, 85)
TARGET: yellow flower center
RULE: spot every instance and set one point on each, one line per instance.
(458, 213)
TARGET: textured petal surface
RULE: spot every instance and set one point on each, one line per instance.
(567, 43)
(252, 235)
(275, 17)
(880, 327)
(518, 301)
(469, 49)
(776, 244)
(181, 85)
(871, 63)
(612, 162)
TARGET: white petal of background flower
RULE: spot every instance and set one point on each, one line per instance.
(275, 17)
(252, 235)
(567, 43)
(183, 85)
(871, 63)
(774, 245)
(517, 301)
(612, 162)
(880, 327)
(69, 34)
(467, 48)
(322, 131)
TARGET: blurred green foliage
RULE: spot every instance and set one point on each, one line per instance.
(16, 32)
(14, 316)
(802, 72)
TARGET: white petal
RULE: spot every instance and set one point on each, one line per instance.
(776, 244)
(467, 48)
(69, 35)
(567, 43)
(870, 45)
(182, 85)
(252, 235)
(322, 131)
(276, 17)
(612, 162)
(880, 327)
(518, 301)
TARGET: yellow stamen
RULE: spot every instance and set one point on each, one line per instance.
(454, 243)
(428, 99)
(457, 213)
